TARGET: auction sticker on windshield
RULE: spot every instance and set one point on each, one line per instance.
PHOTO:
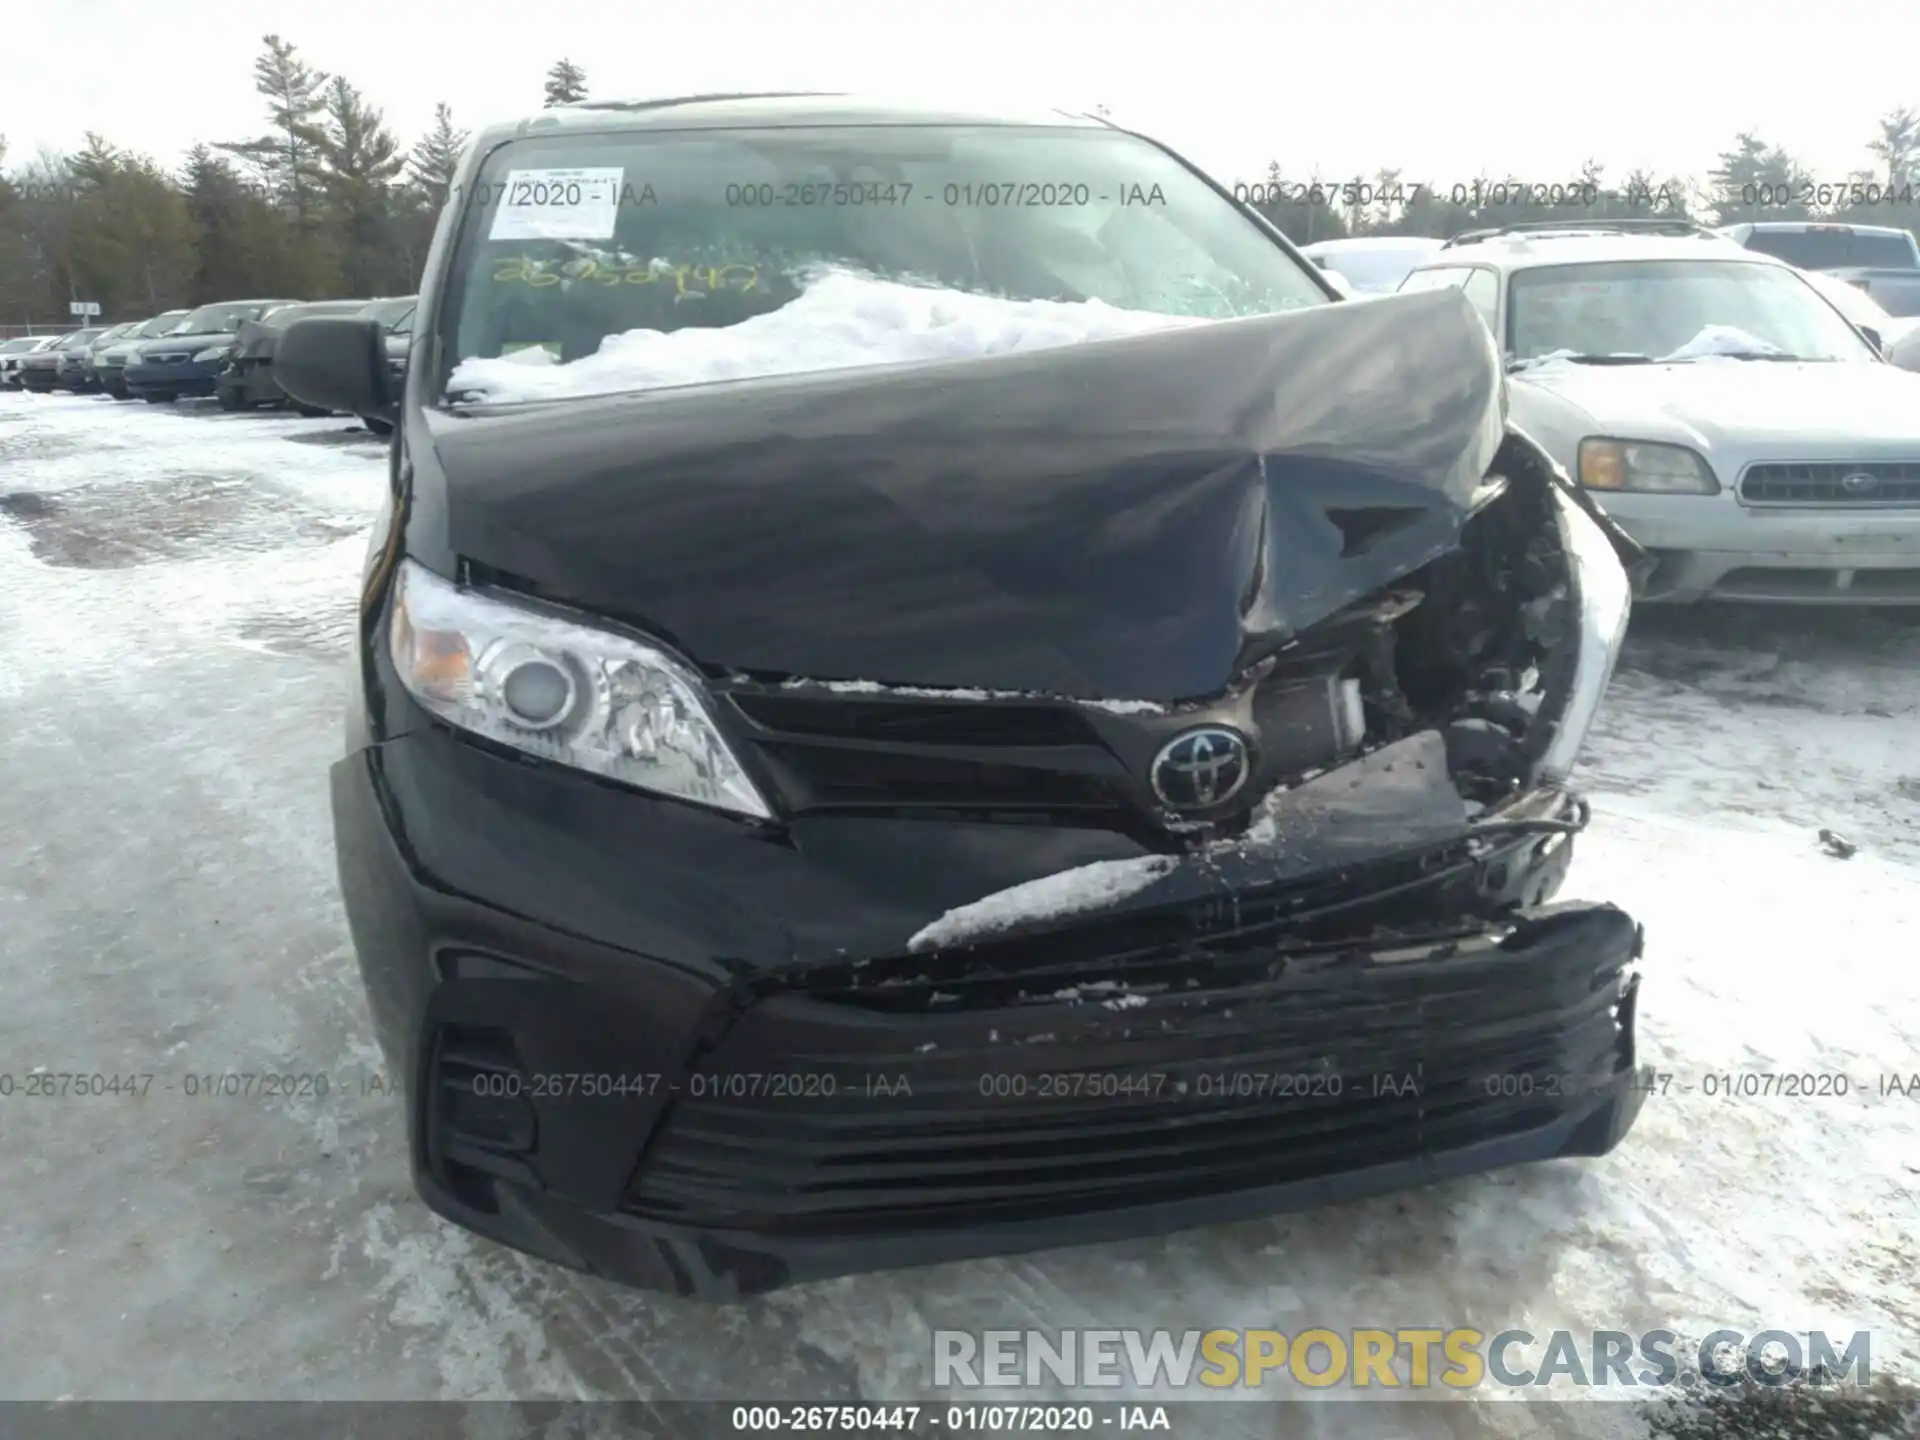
(558, 205)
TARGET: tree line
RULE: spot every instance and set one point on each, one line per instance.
(325, 201)
(322, 202)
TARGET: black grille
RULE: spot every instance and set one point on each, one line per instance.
(1026, 1113)
(1006, 760)
(1826, 484)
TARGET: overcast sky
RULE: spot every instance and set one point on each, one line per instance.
(1443, 92)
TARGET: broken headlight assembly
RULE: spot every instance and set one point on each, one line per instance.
(1604, 596)
(564, 691)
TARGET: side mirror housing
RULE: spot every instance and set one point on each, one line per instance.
(1338, 281)
(1874, 338)
(335, 363)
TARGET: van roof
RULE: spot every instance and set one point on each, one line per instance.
(768, 109)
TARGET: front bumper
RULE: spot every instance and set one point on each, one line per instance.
(184, 377)
(1713, 547)
(638, 1041)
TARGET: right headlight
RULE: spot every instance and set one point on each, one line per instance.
(565, 691)
(1605, 598)
(1641, 465)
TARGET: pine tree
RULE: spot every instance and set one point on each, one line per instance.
(287, 160)
(566, 84)
(359, 163)
(436, 156)
(1897, 146)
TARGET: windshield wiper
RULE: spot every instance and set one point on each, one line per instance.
(1770, 355)
(1581, 359)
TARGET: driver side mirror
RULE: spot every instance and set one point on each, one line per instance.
(1874, 338)
(336, 364)
(1338, 281)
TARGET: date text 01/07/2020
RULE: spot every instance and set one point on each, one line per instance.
(922, 1420)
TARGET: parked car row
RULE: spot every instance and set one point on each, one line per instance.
(223, 350)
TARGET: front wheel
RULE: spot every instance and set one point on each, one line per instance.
(230, 400)
(377, 426)
(158, 398)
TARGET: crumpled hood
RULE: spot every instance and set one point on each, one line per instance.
(1135, 518)
(1711, 404)
(256, 340)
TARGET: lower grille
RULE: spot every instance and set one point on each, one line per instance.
(1832, 484)
(822, 1119)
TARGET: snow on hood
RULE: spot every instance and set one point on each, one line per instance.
(1723, 340)
(840, 320)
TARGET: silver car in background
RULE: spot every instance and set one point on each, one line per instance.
(1721, 409)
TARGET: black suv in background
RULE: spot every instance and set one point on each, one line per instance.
(246, 381)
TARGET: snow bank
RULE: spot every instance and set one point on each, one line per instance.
(1070, 892)
(839, 321)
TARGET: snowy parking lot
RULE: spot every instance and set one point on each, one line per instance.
(175, 620)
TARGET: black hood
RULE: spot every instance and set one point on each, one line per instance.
(1135, 518)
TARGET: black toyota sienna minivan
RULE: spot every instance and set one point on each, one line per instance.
(927, 689)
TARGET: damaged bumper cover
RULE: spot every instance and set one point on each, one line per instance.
(986, 977)
(1196, 1055)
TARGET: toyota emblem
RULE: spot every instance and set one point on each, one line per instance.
(1200, 768)
(1860, 482)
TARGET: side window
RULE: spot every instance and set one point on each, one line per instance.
(1483, 293)
(1439, 278)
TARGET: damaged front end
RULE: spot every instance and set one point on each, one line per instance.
(1188, 856)
(1353, 985)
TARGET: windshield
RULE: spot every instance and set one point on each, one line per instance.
(720, 254)
(219, 319)
(159, 325)
(78, 339)
(389, 313)
(1654, 308)
(1835, 249)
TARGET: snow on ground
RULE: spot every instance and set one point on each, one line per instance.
(838, 321)
(175, 616)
